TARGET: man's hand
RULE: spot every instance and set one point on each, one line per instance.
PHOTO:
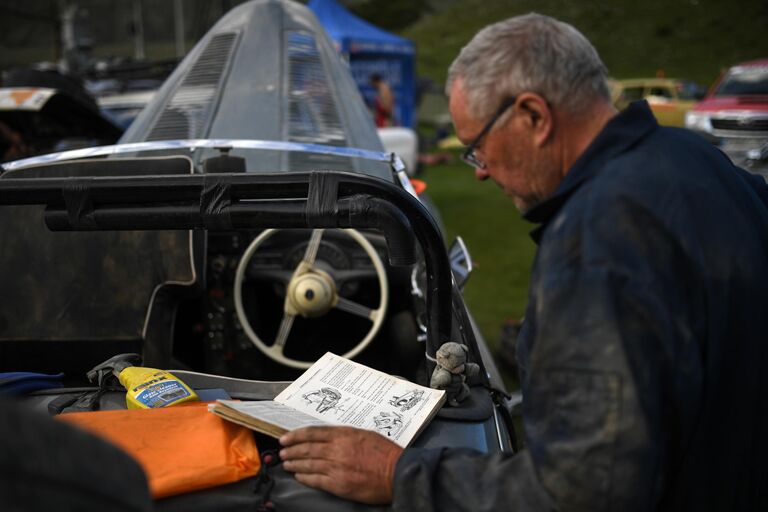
(351, 463)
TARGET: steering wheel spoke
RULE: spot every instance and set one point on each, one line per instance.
(312, 247)
(284, 330)
(274, 351)
(357, 309)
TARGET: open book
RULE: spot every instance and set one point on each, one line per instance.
(337, 391)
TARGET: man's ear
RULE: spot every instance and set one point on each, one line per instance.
(538, 116)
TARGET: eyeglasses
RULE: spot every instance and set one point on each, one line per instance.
(469, 156)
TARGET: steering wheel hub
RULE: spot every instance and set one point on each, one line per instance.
(312, 294)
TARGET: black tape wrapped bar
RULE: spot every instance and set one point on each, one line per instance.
(359, 211)
(231, 201)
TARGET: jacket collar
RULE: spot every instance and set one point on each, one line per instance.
(619, 134)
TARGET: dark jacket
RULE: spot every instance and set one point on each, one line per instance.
(644, 353)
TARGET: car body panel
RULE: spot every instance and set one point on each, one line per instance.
(23, 98)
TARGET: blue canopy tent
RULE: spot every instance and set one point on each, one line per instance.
(369, 50)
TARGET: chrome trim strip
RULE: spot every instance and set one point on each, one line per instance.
(193, 144)
(739, 134)
(735, 115)
(502, 446)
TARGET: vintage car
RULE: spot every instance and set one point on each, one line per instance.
(734, 114)
(668, 98)
(257, 157)
(38, 120)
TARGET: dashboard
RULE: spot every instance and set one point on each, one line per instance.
(210, 337)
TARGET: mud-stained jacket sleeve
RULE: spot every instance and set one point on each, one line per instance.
(460, 479)
(611, 372)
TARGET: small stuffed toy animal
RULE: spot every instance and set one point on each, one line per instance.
(452, 371)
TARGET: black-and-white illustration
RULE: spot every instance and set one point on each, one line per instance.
(406, 400)
(325, 398)
(388, 423)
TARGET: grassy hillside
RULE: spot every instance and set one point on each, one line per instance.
(686, 38)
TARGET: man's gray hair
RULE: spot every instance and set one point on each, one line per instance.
(533, 53)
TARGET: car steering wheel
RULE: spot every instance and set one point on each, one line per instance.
(311, 293)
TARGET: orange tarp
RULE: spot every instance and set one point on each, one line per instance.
(182, 448)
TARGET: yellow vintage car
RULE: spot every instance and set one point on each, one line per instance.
(668, 98)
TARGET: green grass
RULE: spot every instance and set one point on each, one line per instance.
(497, 239)
(692, 39)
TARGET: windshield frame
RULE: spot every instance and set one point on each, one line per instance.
(194, 144)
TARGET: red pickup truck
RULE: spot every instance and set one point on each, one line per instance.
(734, 113)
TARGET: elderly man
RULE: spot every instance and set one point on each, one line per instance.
(644, 347)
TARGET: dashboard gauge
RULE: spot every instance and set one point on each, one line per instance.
(327, 253)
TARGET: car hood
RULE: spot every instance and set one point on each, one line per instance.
(740, 103)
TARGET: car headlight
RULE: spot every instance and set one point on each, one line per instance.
(698, 121)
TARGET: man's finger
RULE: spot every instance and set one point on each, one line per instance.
(307, 434)
(302, 451)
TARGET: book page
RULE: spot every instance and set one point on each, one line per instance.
(274, 413)
(342, 392)
(266, 411)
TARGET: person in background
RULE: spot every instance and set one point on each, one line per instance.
(644, 348)
(383, 102)
(12, 146)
